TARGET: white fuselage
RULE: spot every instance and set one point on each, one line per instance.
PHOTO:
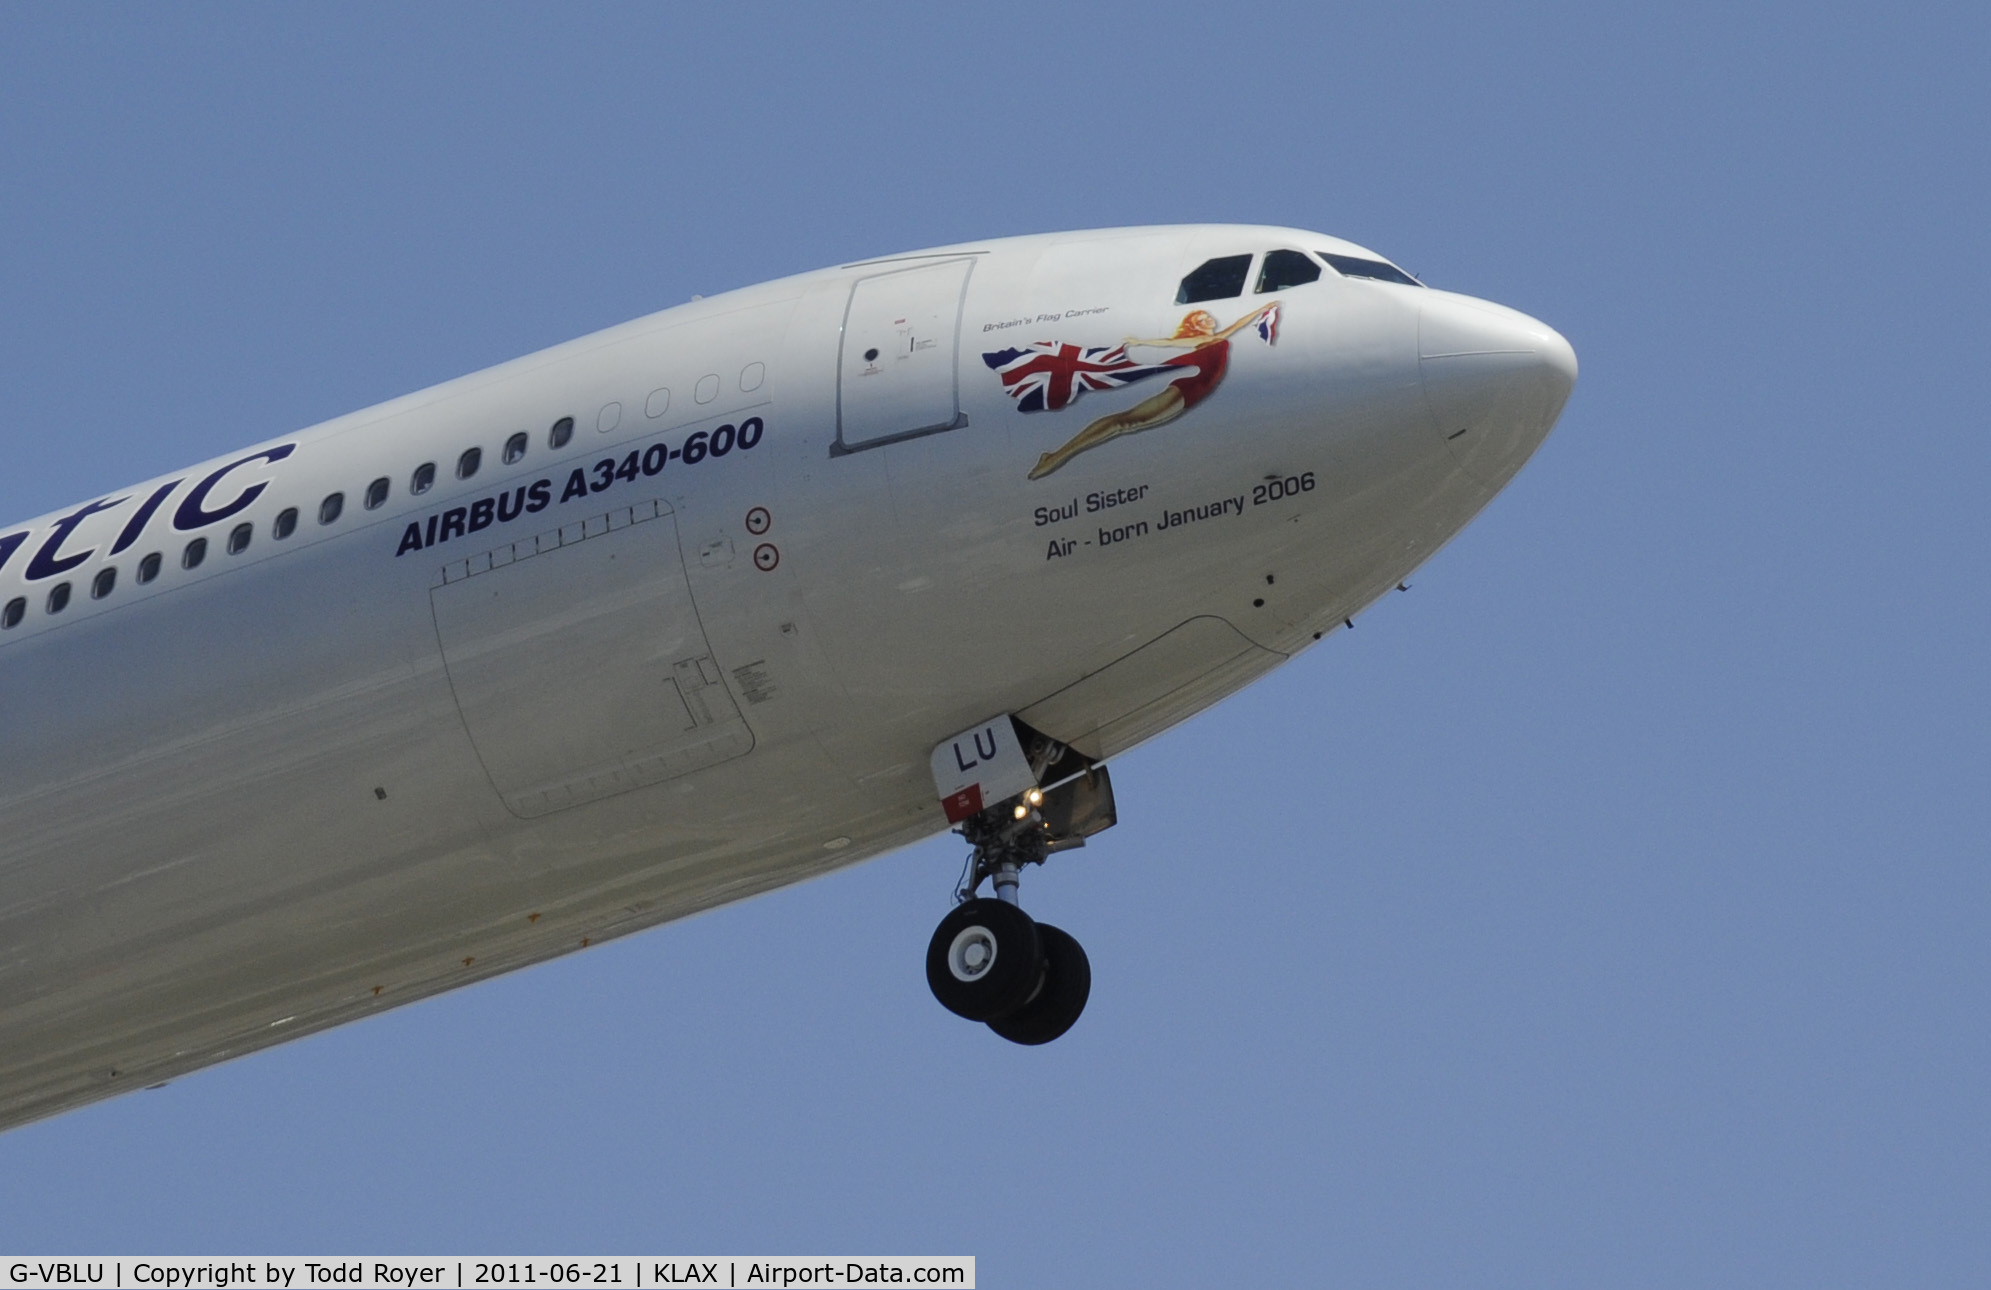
(703, 647)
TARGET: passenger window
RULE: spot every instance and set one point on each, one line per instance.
(328, 510)
(148, 568)
(58, 598)
(196, 552)
(11, 616)
(238, 537)
(106, 579)
(562, 431)
(376, 493)
(1354, 266)
(1217, 279)
(467, 464)
(515, 447)
(1285, 269)
(286, 523)
(424, 480)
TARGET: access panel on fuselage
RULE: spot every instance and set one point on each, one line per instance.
(895, 368)
(579, 664)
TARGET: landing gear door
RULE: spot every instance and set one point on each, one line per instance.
(980, 767)
(896, 365)
(1080, 807)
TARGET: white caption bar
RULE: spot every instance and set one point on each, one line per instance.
(650, 1272)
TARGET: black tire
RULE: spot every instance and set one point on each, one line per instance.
(984, 960)
(1067, 985)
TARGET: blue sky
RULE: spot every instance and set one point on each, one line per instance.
(1610, 909)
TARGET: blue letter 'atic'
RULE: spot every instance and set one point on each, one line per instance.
(193, 512)
(46, 564)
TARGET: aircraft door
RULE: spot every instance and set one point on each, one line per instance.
(579, 664)
(896, 365)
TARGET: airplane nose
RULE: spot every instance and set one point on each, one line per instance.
(1495, 380)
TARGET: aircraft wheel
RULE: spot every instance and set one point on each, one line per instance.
(1067, 985)
(984, 959)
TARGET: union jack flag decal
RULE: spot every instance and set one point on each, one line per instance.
(1048, 375)
(1268, 324)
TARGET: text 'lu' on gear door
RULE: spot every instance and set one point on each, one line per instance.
(896, 366)
(579, 664)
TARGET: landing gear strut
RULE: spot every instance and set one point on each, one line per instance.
(989, 961)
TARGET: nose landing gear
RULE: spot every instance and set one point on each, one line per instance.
(989, 961)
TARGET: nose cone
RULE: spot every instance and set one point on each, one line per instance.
(1494, 379)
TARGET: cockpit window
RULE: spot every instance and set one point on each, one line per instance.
(1217, 279)
(1354, 266)
(1285, 269)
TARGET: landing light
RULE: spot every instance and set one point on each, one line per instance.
(1035, 797)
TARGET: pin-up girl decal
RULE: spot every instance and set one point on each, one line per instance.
(1047, 376)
